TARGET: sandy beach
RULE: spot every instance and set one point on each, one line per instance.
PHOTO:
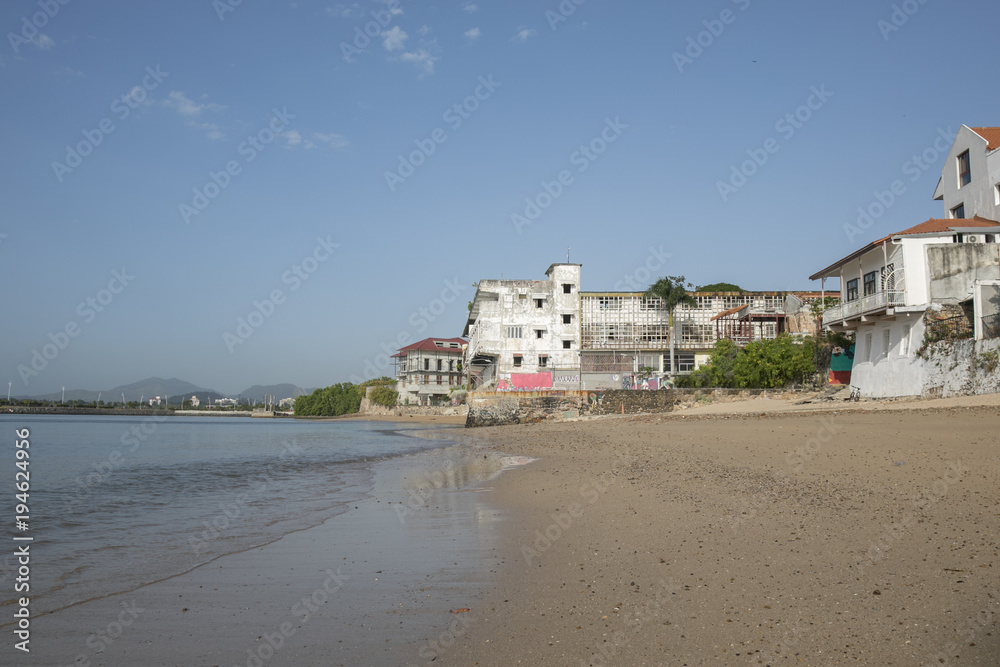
(761, 532)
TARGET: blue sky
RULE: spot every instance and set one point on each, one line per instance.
(205, 150)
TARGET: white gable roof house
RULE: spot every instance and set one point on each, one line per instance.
(924, 302)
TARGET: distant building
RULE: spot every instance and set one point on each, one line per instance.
(195, 402)
(943, 274)
(225, 402)
(429, 370)
(156, 400)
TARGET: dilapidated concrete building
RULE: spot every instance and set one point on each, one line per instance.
(528, 334)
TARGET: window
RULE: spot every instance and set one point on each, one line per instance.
(567, 319)
(657, 304)
(543, 361)
(539, 303)
(868, 347)
(870, 281)
(609, 303)
(539, 333)
(685, 362)
(427, 364)
(904, 344)
(567, 288)
(515, 332)
(439, 380)
(567, 344)
(964, 174)
(427, 379)
(958, 212)
(517, 360)
(852, 289)
(440, 362)
(451, 365)
(888, 279)
(886, 342)
(996, 194)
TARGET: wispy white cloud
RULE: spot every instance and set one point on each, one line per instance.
(473, 35)
(395, 39)
(524, 33)
(423, 30)
(421, 59)
(334, 141)
(185, 106)
(211, 130)
(43, 42)
(292, 138)
(393, 6)
(341, 11)
(471, 7)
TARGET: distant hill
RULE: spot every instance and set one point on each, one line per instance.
(147, 388)
(279, 391)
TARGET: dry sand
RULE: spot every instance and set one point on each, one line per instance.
(848, 534)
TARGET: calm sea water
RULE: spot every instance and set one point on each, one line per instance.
(118, 502)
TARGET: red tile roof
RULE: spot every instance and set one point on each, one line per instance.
(934, 225)
(430, 345)
(990, 134)
(943, 225)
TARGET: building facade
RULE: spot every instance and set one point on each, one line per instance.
(941, 275)
(429, 370)
(547, 334)
(525, 334)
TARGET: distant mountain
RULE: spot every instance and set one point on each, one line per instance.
(147, 389)
(279, 391)
(176, 391)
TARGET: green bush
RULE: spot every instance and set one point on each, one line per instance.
(762, 364)
(384, 395)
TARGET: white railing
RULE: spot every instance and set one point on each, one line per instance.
(865, 305)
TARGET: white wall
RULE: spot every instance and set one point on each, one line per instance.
(978, 196)
(889, 373)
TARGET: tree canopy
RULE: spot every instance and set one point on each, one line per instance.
(720, 287)
(673, 290)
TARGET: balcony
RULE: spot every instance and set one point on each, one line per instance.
(872, 304)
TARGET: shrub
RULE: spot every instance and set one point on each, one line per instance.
(384, 395)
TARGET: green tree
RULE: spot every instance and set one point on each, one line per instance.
(672, 290)
(384, 395)
(720, 287)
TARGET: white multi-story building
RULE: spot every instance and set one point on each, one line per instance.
(940, 274)
(526, 334)
(970, 180)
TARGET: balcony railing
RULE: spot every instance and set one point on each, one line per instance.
(871, 303)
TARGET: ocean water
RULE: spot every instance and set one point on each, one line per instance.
(119, 502)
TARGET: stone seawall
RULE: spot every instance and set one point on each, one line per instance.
(499, 408)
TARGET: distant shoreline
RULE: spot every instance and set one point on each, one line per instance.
(114, 412)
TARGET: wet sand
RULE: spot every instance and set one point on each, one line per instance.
(373, 586)
(735, 535)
